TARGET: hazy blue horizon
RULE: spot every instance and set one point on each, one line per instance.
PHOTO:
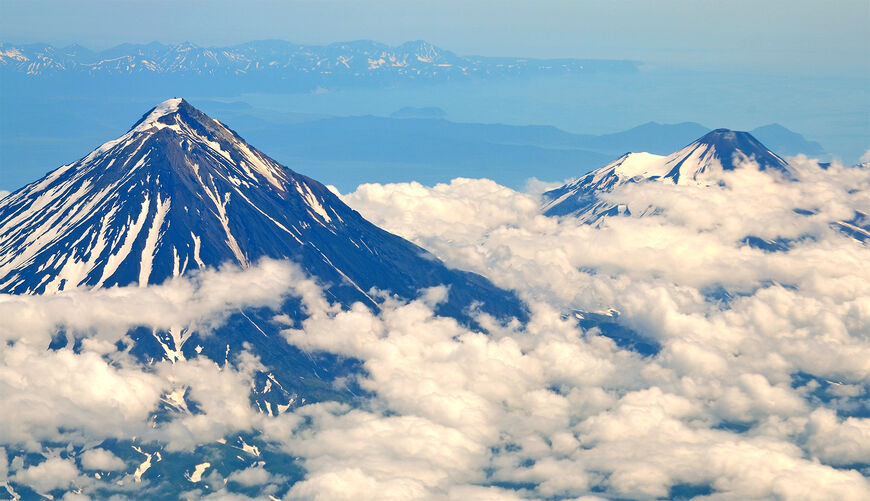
(741, 65)
(38, 139)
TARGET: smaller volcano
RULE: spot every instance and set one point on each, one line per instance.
(698, 163)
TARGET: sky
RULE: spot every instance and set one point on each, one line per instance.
(798, 35)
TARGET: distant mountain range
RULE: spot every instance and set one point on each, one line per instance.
(281, 60)
(347, 151)
(412, 144)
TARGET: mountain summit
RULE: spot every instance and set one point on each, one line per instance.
(698, 163)
(180, 191)
(731, 148)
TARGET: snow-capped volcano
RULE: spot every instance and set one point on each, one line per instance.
(697, 163)
(181, 191)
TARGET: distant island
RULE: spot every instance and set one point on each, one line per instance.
(419, 112)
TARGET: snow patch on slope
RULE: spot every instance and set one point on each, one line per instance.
(151, 241)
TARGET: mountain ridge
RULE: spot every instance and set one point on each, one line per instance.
(435, 150)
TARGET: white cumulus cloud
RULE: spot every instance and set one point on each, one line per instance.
(101, 459)
(757, 390)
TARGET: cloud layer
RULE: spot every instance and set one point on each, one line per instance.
(759, 391)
